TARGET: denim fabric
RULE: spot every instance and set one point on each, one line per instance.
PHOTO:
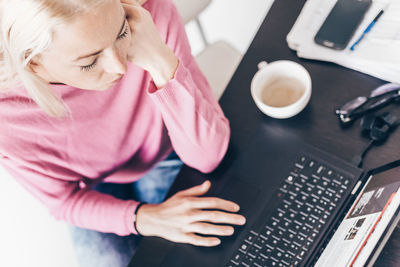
(96, 249)
(154, 186)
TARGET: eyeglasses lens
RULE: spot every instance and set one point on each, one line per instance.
(386, 88)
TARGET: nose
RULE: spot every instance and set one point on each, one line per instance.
(114, 63)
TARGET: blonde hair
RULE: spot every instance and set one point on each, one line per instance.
(26, 30)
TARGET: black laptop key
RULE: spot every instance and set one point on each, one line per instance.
(310, 167)
(277, 254)
(303, 209)
(295, 172)
(319, 170)
(318, 213)
(251, 237)
(253, 252)
(288, 257)
(330, 194)
(260, 242)
(272, 223)
(265, 234)
(266, 252)
(288, 236)
(300, 198)
(290, 197)
(237, 258)
(260, 261)
(302, 160)
(247, 261)
(244, 247)
(328, 173)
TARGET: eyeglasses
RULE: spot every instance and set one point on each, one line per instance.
(379, 97)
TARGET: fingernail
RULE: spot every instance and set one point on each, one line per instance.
(243, 220)
(217, 242)
(237, 207)
(231, 231)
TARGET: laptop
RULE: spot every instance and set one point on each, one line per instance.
(304, 207)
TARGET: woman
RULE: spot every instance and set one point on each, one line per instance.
(115, 90)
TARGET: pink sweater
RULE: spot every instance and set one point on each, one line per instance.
(115, 135)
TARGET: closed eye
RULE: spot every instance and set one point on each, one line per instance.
(89, 67)
(124, 34)
(92, 65)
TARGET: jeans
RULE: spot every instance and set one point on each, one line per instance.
(96, 249)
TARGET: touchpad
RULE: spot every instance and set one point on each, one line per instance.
(236, 190)
(240, 192)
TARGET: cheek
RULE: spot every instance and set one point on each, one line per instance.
(75, 77)
(124, 45)
(62, 72)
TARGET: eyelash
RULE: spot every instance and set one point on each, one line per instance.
(91, 66)
(124, 34)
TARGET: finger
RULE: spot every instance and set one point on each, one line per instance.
(131, 11)
(210, 229)
(131, 2)
(141, 2)
(202, 241)
(195, 190)
(213, 203)
(218, 217)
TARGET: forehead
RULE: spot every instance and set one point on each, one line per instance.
(89, 32)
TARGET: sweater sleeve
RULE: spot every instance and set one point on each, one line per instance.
(196, 125)
(70, 202)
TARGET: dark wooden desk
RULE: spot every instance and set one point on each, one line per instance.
(332, 86)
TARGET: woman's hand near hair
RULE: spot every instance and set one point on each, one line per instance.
(185, 215)
(148, 50)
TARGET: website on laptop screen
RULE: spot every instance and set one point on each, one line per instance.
(366, 221)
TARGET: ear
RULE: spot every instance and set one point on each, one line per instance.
(34, 65)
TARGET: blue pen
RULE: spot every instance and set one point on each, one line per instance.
(367, 29)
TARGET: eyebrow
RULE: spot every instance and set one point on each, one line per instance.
(98, 52)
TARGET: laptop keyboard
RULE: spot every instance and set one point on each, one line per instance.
(306, 200)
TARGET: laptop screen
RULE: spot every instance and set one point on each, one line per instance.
(365, 222)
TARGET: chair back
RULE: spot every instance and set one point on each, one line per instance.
(190, 9)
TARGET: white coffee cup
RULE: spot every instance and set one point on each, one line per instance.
(281, 89)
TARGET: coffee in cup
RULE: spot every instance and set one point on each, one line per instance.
(281, 89)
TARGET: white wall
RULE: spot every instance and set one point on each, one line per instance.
(29, 235)
(235, 21)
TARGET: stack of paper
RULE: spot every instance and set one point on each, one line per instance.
(378, 54)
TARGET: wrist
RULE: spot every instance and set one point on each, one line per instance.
(164, 67)
(145, 221)
(135, 216)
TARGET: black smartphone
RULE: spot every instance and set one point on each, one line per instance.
(341, 23)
